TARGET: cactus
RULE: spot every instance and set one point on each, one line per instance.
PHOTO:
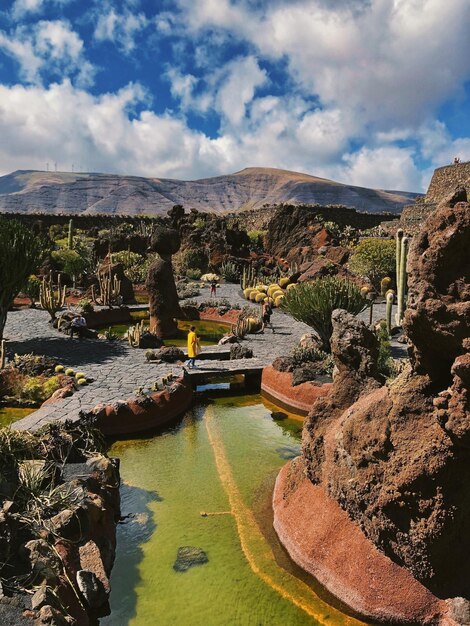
(51, 300)
(2, 355)
(398, 240)
(70, 235)
(134, 334)
(385, 285)
(110, 289)
(388, 311)
(249, 277)
(401, 279)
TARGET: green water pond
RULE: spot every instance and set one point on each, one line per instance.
(209, 332)
(11, 414)
(220, 459)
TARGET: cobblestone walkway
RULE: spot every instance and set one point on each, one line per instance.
(117, 369)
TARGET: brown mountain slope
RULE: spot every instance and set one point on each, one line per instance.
(28, 191)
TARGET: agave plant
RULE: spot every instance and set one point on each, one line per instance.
(314, 302)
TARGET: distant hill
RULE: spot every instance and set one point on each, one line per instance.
(29, 191)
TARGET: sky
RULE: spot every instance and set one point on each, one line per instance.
(367, 92)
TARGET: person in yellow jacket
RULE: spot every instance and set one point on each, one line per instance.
(194, 347)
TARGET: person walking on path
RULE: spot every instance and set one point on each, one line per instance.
(78, 326)
(266, 312)
(213, 288)
(194, 347)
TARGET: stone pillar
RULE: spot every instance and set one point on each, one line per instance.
(163, 297)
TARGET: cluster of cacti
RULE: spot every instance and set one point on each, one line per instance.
(273, 293)
(109, 289)
(245, 326)
(70, 235)
(402, 255)
(50, 299)
(248, 277)
(2, 354)
(134, 334)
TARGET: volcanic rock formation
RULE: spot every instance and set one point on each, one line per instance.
(396, 457)
(164, 305)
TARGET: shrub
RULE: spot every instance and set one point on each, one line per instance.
(86, 305)
(69, 372)
(59, 369)
(314, 302)
(190, 259)
(373, 259)
(257, 237)
(32, 288)
(50, 386)
(69, 261)
(385, 362)
(128, 258)
(33, 389)
(194, 274)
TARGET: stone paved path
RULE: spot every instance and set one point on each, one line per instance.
(117, 369)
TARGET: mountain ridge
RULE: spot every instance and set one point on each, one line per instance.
(30, 191)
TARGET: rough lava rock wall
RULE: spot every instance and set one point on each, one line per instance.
(446, 179)
(397, 457)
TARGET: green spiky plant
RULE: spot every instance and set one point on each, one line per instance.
(230, 272)
(21, 252)
(314, 302)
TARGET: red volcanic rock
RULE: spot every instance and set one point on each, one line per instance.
(140, 414)
(277, 387)
(396, 458)
(322, 539)
(437, 319)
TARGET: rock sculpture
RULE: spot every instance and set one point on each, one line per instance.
(164, 306)
(396, 457)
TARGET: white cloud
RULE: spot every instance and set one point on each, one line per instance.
(23, 7)
(389, 62)
(120, 28)
(386, 167)
(48, 46)
(242, 77)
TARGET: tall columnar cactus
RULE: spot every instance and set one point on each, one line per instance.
(401, 280)
(50, 299)
(70, 235)
(398, 240)
(388, 311)
(2, 354)
(110, 289)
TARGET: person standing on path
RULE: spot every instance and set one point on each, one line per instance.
(266, 312)
(194, 347)
(213, 288)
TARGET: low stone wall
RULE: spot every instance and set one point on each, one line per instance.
(321, 538)
(277, 388)
(446, 179)
(144, 413)
(100, 317)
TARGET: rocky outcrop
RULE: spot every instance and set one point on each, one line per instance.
(446, 179)
(164, 303)
(438, 315)
(396, 457)
(69, 193)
